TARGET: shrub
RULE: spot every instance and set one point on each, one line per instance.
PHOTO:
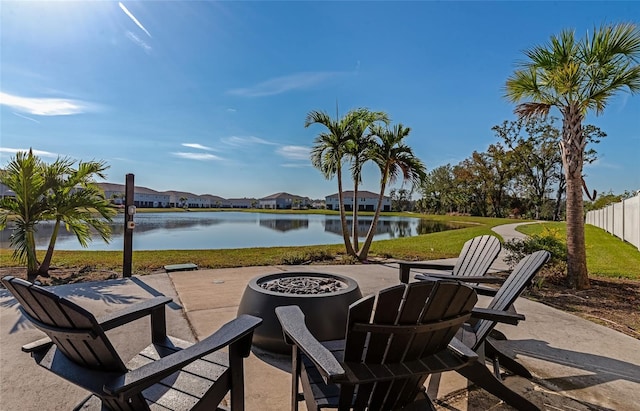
(306, 257)
(294, 258)
(549, 239)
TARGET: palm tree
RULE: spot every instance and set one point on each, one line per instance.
(54, 191)
(358, 148)
(327, 155)
(24, 176)
(576, 76)
(394, 158)
(74, 199)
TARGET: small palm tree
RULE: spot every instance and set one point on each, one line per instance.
(55, 191)
(24, 176)
(327, 155)
(76, 200)
(576, 76)
(394, 159)
(358, 149)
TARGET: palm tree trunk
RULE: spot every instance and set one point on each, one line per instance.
(557, 209)
(46, 263)
(364, 252)
(343, 217)
(32, 259)
(573, 144)
(354, 227)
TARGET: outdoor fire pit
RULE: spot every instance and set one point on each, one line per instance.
(323, 298)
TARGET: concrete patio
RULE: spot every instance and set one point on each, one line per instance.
(577, 365)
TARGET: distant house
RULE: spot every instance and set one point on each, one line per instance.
(6, 191)
(367, 201)
(241, 202)
(185, 199)
(142, 196)
(284, 201)
(211, 201)
(146, 197)
(318, 203)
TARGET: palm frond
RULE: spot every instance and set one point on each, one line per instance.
(531, 110)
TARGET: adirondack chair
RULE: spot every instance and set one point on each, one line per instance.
(77, 349)
(477, 333)
(474, 260)
(392, 344)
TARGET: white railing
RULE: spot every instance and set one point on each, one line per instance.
(620, 219)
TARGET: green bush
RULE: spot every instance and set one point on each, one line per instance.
(297, 258)
(550, 240)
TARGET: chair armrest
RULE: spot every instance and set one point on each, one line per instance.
(141, 378)
(406, 266)
(466, 278)
(132, 312)
(427, 266)
(41, 344)
(462, 350)
(488, 291)
(296, 332)
(496, 315)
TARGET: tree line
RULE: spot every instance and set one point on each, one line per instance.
(521, 175)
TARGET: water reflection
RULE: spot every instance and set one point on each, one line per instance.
(283, 225)
(217, 230)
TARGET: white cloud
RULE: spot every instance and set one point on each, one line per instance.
(245, 141)
(231, 110)
(133, 18)
(197, 146)
(38, 153)
(45, 106)
(278, 85)
(138, 41)
(294, 152)
(197, 156)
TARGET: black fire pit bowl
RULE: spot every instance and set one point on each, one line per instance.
(325, 313)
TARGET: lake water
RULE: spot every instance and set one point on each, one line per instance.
(216, 230)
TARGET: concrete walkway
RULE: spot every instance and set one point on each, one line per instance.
(577, 365)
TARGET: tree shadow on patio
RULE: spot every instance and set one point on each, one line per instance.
(98, 297)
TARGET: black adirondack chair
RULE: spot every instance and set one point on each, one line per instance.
(476, 257)
(169, 374)
(393, 343)
(476, 334)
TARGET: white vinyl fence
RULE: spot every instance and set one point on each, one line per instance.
(620, 219)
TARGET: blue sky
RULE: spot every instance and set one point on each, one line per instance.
(211, 97)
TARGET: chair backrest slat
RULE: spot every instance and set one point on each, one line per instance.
(424, 302)
(74, 330)
(514, 285)
(477, 255)
(359, 312)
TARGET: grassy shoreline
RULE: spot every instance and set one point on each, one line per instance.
(607, 256)
(429, 246)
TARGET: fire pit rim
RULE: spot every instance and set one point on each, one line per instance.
(350, 282)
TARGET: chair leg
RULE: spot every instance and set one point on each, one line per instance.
(237, 378)
(295, 376)
(501, 359)
(480, 375)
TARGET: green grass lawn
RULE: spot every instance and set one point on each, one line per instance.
(429, 246)
(607, 255)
